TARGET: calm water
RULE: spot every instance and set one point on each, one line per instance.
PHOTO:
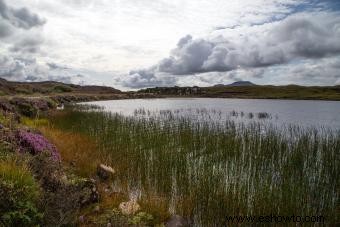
(282, 112)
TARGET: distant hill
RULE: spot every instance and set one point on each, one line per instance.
(236, 84)
(241, 83)
(50, 87)
(274, 92)
(239, 89)
(246, 89)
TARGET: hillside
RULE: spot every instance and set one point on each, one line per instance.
(49, 88)
(240, 84)
(275, 92)
(251, 92)
(240, 89)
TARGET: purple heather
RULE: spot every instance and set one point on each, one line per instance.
(36, 144)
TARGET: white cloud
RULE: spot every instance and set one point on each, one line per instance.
(298, 37)
(82, 30)
(99, 38)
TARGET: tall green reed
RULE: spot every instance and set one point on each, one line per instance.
(207, 170)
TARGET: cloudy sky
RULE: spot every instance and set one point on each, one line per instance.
(132, 44)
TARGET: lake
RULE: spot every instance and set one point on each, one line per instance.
(205, 171)
(305, 113)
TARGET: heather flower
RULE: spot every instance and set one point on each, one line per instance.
(36, 144)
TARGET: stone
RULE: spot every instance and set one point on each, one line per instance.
(177, 221)
(129, 208)
(105, 172)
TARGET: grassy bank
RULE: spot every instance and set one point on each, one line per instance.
(252, 92)
(206, 171)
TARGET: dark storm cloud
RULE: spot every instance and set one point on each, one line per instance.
(11, 68)
(28, 45)
(146, 78)
(28, 69)
(296, 37)
(304, 37)
(21, 69)
(21, 18)
(54, 66)
(5, 29)
(62, 79)
(17, 60)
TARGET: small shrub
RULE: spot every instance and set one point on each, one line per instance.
(23, 91)
(19, 195)
(27, 109)
(62, 88)
(40, 104)
(141, 218)
(36, 144)
(8, 120)
(63, 194)
(50, 103)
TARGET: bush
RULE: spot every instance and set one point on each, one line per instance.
(62, 88)
(64, 194)
(36, 144)
(27, 109)
(19, 195)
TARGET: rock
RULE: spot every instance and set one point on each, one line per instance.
(105, 172)
(129, 208)
(109, 225)
(177, 221)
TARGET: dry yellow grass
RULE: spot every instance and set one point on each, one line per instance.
(82, 153)
(76, 150)
(156, 206)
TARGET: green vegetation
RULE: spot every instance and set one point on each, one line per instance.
(169, 162)
(275, 92)
(87, 93)
(19, 194)
(206, 171)
(33, 182)
(251, 92)
(62, 88)
(49, 88)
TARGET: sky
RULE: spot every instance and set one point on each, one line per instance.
(134, 44)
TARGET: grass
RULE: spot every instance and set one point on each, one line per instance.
(18, 173)
(275, 92)
(205, 170)
(19, 193)
(76, 150)
(252, 92)
(34, 123)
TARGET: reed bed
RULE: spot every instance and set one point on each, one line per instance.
(207, 170)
